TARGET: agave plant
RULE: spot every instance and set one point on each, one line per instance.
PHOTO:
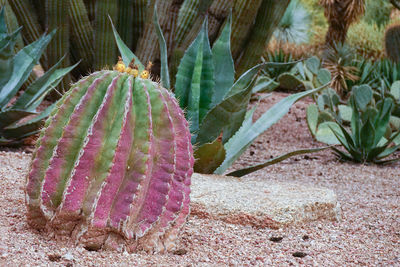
(18, 115)
(366, 141)
(216, 105)
(373, 127)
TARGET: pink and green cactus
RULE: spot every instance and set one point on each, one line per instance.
(113, 165)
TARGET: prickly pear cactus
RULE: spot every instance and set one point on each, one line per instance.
(112, 167)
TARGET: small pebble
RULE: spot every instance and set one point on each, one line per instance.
(276, 239)
(54, 257)
(181, 251)
(299, 254)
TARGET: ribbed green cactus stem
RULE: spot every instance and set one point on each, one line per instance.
(187, 15)
(392, 43)
(82, 35)
(105, 48)
(58, 18)
(112, 166)
(27, 17)
(196, 25)
(244, 13)
(11, 21)
(218, 12)
(139, 18)
(125, 21)
(268, 16)
(146, 50)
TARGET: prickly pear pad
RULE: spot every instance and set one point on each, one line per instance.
(113, 164)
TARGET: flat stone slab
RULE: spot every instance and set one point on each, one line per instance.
(260, 203)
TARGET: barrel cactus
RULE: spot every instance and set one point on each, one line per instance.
(113, 164)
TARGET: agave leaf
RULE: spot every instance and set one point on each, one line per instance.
(245, 136)
(224, 69)
(7, 57)
(194, 80)
(382, 121)
(163, 51)
(312, 118)
(126, 53)
(10, 116)
(209, 156)
(3, 25)
(348, 143)
(383, 162)
(343, 155)
(244, 80)
(300, 68)
(264, 84)
(247, 170)
(35, 93)
(24, 62)
(226, 117)
(355, 122)
(367, 136)
(31, 126)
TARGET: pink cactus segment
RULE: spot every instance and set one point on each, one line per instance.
(82, 174)
(164, 164)
(47, 140)
(187, 153)
(182, 166)
(125, 205)
(53, 174)
(118, 169)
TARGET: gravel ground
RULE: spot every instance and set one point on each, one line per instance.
(368, 234)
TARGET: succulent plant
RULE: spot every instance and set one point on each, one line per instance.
(373, 132)
(368, 140)
(113, 164)
(18, 115)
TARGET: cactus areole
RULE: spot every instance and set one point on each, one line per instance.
(113, 164)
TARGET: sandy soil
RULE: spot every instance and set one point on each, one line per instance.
(368, 235)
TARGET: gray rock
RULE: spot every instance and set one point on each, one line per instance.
(261, 203)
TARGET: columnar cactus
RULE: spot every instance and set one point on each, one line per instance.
(112, 167)
(392, 42)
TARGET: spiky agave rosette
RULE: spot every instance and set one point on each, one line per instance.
(112, 167)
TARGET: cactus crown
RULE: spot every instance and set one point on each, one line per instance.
(133, 69)
(112, 167)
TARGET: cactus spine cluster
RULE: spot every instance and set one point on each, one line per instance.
(112, 167)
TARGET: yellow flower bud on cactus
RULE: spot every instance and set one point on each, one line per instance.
(144, 75)
(134, 72)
